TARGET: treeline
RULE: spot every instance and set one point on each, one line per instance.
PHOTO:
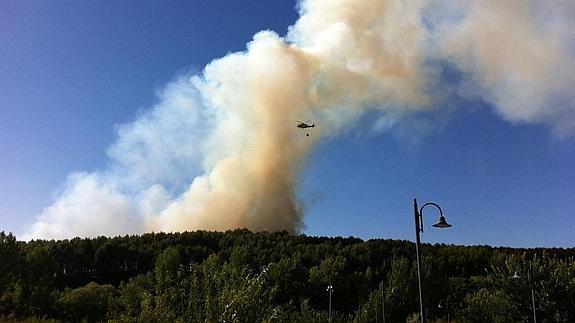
(240, 276)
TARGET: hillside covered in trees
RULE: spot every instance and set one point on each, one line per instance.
(240, 276)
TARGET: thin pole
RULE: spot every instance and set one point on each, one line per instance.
(530, 276)
(533, 303)
(382, 303)
(330, 289)
(447, 308)
(417, 251)
(330, 304)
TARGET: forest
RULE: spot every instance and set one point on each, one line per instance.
(240, 276)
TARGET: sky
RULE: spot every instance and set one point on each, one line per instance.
(89, 111)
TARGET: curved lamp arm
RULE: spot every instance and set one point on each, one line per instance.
(434, 204)
(441, 224)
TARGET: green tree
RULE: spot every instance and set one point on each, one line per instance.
(489, 306)
(167, 265)
(39, 288)
(402, 292)
(10, 265)
(133, 294)
(91, 302)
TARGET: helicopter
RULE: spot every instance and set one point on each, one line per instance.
(303, 125)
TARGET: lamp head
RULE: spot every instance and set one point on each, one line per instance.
(441, 223)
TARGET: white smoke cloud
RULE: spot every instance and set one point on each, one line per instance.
(164, 145)
(220, 150)
(517, 55)
(87, 207)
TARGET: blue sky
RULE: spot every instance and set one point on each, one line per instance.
(73, 71)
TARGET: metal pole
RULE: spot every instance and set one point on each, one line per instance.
(533, 301)
(530, 276)
(417, 251)
(382, 303)
(447, 308)
(330, 305)
(330, 290)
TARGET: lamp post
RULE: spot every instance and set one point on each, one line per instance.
(529, 280)
(381, 289)
(441, 223)
(382, 303)
(446, 307)
(330, 290)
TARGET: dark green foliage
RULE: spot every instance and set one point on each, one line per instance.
(401, 292)
(90, 302)
(239, 276)
(489, 306)
(10, 265)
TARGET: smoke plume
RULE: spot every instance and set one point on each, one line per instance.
(220, 150)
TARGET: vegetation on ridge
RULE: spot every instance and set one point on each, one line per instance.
(239, 276)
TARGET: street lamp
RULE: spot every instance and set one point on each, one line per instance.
(381, 286)
(382, 303)
(529, 280)
(441, 223)
(330, 290)
(440, 306)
